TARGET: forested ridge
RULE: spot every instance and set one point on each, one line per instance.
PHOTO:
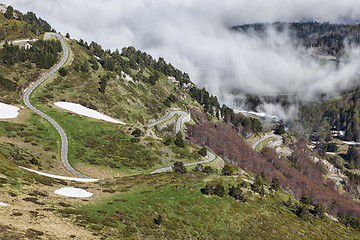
(328, 37)
(242, 188)
(20, 25)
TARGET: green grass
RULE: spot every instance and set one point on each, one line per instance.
(132, 102)
(188, 214)
(15, 29)
(35, 137)
(100, 143)
(13, 178)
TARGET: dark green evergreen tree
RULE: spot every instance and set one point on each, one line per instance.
(179, 141)
(203, 151)
(227, 170)
(179, 167)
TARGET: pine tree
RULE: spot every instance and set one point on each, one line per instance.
(179, 141)
(9, 14)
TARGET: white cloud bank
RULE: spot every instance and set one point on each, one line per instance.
(194, 36)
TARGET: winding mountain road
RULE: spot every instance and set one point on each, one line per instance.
(64, 141)
(263, 139)
(179, 122)
(183, 118)
(210, 157)
(272, 144)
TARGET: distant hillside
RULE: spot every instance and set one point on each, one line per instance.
(16, 25)
(242, 193)
(329, 38)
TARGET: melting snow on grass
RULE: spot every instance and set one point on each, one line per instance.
(73, 192)
(62, 177)
(79, 109)
(4, 204)
(8, 111)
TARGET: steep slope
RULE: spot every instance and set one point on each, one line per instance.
(205, 201)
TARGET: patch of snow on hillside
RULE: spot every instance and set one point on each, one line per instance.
(79, 109)
(73, 192)
(8, 111)
(172, 79)
(2, 8)
(2, 204)
(351, 143)
(127, 77)
(62, 177)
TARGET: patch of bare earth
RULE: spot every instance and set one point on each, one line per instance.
(33, 212)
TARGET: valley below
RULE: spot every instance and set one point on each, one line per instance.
(101, 144)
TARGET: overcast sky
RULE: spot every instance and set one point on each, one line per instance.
(194, 36)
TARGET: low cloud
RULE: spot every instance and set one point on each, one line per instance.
(195, 36)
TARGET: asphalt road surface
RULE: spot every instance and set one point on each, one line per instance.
(171, 114)
(210, 157)
(64, 141)
(179, 123)
(263, 139)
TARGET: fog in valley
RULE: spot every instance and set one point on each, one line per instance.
(196, 37)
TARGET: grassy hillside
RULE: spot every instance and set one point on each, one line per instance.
(128, 202)
(129, 208)
(125, 97)
(137, 202)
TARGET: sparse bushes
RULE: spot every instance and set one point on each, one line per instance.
(63, 72)
(302, 211)
(198, 167)
(275, 184)
(218, 190)
(208, 169)
(179, 167)
(167, 141)
(167, 102)
(179, 141)
(227, 170)
(103, 83)
(257, 185)
(34, 161)
(305, 199)
(8, 84)
(237, 193)
(136, 133)
(158, 220)
(203, 152)
(280, 129)
(319, 210)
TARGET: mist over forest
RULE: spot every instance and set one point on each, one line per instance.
(198, 38)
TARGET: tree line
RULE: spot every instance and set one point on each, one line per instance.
(130, 59)
(34, 24)
(330, 38)
(43, 53)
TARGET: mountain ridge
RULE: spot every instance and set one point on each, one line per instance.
(128, 202)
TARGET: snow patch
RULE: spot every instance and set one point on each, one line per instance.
(79, 109)
(261, 115)
(330, 153)
(2, 204)
(8, 111)
(126, 77)
(331, 217)
(62, 177)
(351, 143)
(172, 79)
(73, 192)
